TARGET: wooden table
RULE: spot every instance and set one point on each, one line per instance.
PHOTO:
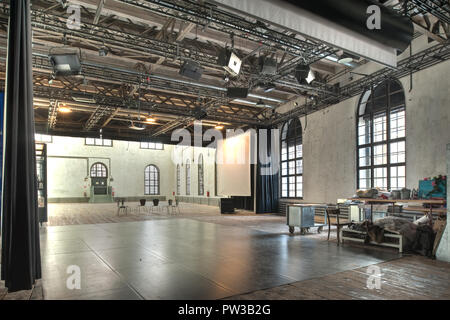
(428, 211)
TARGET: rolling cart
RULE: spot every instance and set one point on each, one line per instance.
(302, 216)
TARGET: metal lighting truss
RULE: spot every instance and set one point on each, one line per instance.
(46, 22)
(210, 16)
(438, 8)
(412, 64)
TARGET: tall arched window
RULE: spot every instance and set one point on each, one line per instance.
(381, 127)
(151, 180)
(178, 180)
(98, 170)
(201, 184)
(292, 160)
(188, 177)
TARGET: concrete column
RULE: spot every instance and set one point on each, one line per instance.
(443, 251)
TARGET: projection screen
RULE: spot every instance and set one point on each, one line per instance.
(233, 158)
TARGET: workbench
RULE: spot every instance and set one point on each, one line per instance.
(394, 240)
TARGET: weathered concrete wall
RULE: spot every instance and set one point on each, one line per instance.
(330, 144)
(182, 155)
(443, 251)
(69, 162)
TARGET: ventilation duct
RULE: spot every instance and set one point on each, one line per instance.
(341, 24)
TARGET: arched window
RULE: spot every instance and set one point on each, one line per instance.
(201, 184)
(381, 145)
(99, 170)
(292, 160)
(178, 180)
(151, 180)
(188, 177)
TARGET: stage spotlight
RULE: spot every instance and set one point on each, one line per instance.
(304, 74)
(191, 69)
(65, 64)
(230, 62)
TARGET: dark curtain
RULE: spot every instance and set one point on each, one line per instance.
(267, 184)
(21, 261)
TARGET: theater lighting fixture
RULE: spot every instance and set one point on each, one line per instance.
(260, 104)
(191, 69)
(269, 87)
(230, 62)
(64, 109)
(103, 51)
(304, 74)
(136, 126)
(150, 120)
(65, 64)
(85, 98)
(311, 76)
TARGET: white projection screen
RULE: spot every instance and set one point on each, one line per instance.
(233, 165)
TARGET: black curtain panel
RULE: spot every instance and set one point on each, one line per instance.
(21, 261)
(267, 179)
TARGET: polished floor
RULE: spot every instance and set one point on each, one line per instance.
(183, 258)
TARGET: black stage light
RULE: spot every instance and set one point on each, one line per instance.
(237, 92)
(65, 64)
(304, 74)
(230, 62)
(191, 69)
(199, 113)
(267, 66)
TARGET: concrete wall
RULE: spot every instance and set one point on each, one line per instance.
(182, 155)
(69, 162)
(443, 251)
(330, 145)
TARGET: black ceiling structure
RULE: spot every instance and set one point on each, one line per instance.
(131, 53)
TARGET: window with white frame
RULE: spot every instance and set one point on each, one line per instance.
(151, 180)
(152, 145)
(188, 177)
(201, 183)
(98, 142)
(381, 141)
(178, 180)
(292, 160)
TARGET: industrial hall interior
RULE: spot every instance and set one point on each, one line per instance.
(224, 150)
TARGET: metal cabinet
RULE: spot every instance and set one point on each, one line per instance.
(303, 217)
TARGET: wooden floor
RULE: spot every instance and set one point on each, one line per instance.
(406, 278)
(34, 294)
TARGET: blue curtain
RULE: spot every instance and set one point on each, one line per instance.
(267, 179)
(2, 97)
(21, 260)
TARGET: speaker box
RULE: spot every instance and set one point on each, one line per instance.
(301, 72)
(236, 92)
(267, 66)
(199, 113)
(191, 69)
(226, 205)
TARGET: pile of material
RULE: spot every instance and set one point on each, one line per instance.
(418, 236)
